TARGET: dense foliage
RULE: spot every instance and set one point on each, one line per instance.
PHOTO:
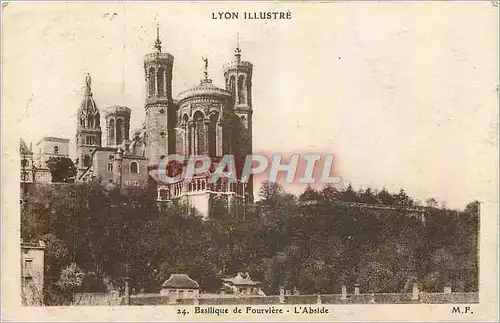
(311, 242)
(62, 169)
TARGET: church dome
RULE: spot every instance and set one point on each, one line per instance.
(88, 106)
(205, 88)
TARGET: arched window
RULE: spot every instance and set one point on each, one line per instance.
(232, 84)
(111, 130)
(212, 134)
(119, 137)
(90, 119)
(199, 133)
(134, 168)
(82, 122)
(56, 150)
(86, 160)
(152, 79)
(161, 77)
(241, 94)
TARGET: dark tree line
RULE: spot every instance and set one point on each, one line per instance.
(309, 242)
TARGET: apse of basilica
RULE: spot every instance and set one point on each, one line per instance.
(202, 120)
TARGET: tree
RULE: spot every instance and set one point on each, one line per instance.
(349, 195)
(309, 194)
(110, 233)
(431, 202)
(61, 169)
(402, 199)
(70, 281)
(367, 196)
(472, 208)
(384, 197)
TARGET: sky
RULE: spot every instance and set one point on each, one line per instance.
(405, 94)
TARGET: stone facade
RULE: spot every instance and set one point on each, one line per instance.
(117, 125)
(202, 120)
(27, 163)
(46, 148)
(32, 272)
(209, 121)
(122, 161)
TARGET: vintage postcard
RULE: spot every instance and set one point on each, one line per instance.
(250, 161)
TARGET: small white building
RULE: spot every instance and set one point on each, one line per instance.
(180, 286)
(32, 272)
(241, 284)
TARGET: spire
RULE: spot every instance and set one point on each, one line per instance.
(88, 89)
(158, 41)
(237, 51)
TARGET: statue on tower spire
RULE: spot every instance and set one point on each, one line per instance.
(205, 71)
(158, 41)
(88, 81)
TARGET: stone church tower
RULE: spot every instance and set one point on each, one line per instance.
(117, 125)
(238, 78)
(160, 110)
(88, 133)
(214, 122)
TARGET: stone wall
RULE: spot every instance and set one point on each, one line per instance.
(388, 298)
(96, 299)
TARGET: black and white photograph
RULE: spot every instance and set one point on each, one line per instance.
(272, 161)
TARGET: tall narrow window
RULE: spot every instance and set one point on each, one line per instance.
(134, 168)
(212, 134)
(241, 87)
(86, 161)
(110, 167)
(111, 131)
(152, 80)
(28, 267)
(199, 133)
(161, 83)
(232, 84)
(119, 136)
(56, 150)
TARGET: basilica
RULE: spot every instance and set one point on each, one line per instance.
(202, 120)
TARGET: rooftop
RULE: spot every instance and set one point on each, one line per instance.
(241, 279)
(32, 245)
(180, 281)
(56, 139)
(117, 109)
(206, 87)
